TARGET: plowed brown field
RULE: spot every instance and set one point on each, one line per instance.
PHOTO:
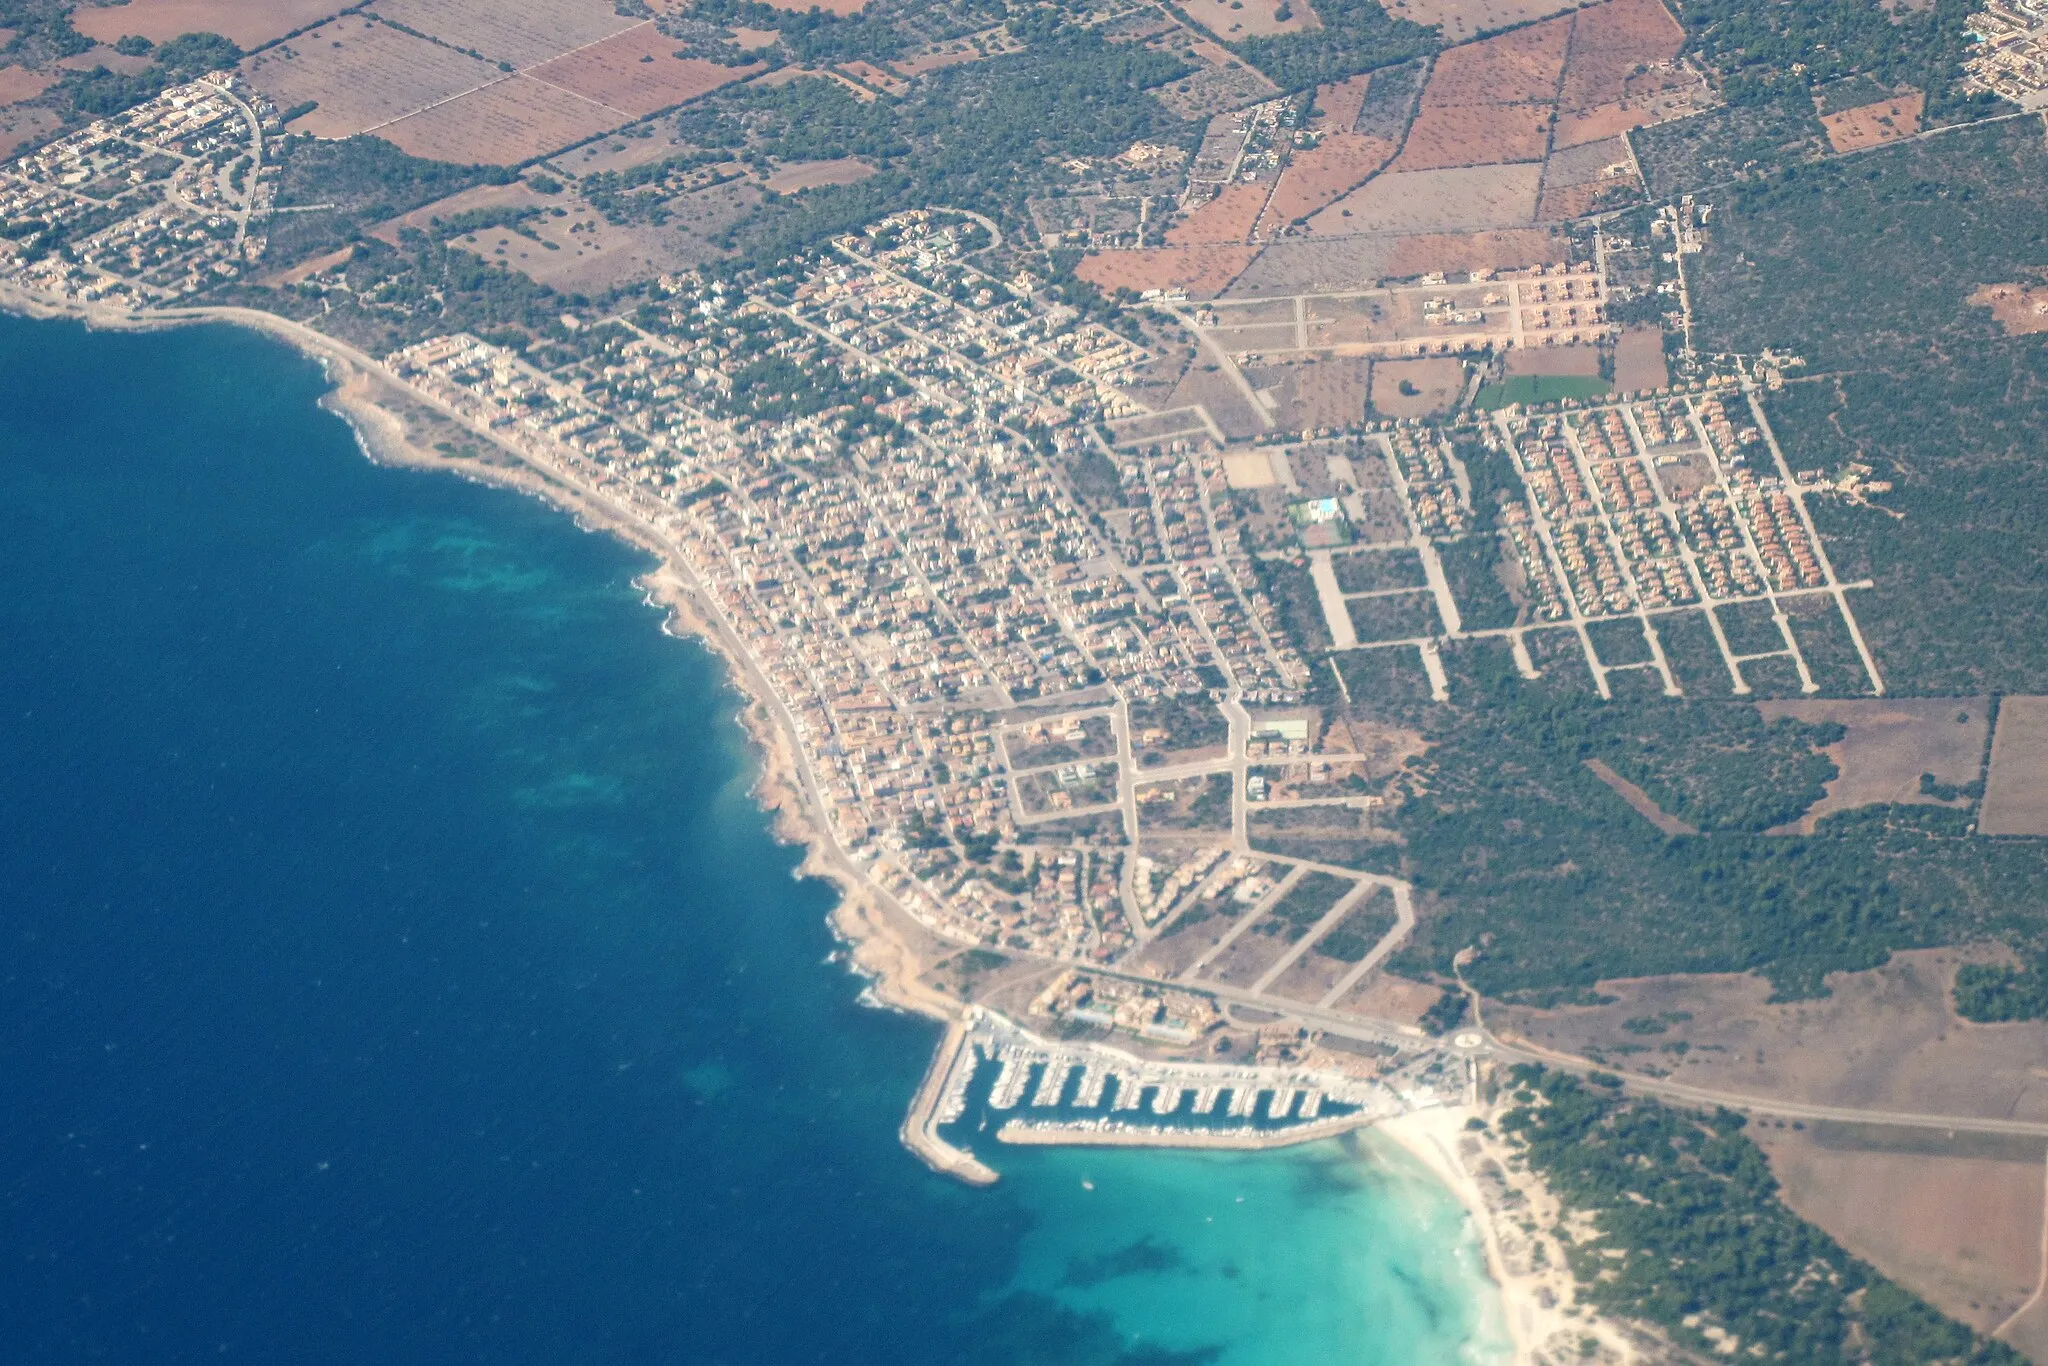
(362, 75)
(1475, 135)
(636, 73)
(525, 33)
(1322, 174)
(1610, 43)
(1229, 217)
(513, 121)
(1511, 69)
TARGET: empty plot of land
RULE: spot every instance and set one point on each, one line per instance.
(2018, 308)
(1459, 20)
(1872, 125)
(636, 73)
(1475, 135)
(247, 23)
(1957, 1220)
(1326, 392)
(18, 83)
(512, 121)
(2016, 793)
(523, 34)
(1618, 49)
(1890, 743)
(1513, 68)
(1338, 256)
(362, 75)
(1639, 360)
(1229, 217)
(1554, 360)
(1416, 388)
(1886, 1039)
(1324, 173)
(1251, 18)
(809, 175)
(874, 77)
(1201, 271)
(1447, 200)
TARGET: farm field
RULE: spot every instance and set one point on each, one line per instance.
(2016, 790)
(636, 73)
(22, 126)
(505, 123)
(524, 34)
(245, 23)
(1891, 742)
(1251, 18)
(18, 83)
(1449, 200)
(1519, 67)
(1554, 360)
(1462, 20)
(1320, 175)
(1873, 125)
(1475, 135)
(361, 76)
(1957, 1219)
(1229, 217)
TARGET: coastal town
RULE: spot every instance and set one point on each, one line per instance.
(1451, 581)
(1040, 693)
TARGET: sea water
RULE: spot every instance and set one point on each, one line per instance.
(394, 968)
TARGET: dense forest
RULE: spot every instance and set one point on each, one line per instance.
(1689, 1234)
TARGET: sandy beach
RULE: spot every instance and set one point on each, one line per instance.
(1513, 1213)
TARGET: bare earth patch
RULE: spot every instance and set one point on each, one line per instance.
(1873, 125)
(18, 83)
(1324, 173)
(1329, 391)
(637, 73)
(20, 127)
(1229, 217)
(246, 23)
(1337, 256)
(1958, 1221)
(2016, 791)
(1462, 20)
(1450, 200)
(1555, 360)
(1201, 271)
(2018, 308)
(512, 121)
(1886, 1039)
(1513, 68)
(523, 34)
(1891, 742)
(362, 76)
(1622, 49)
(1436, 384)
(1639, 360)
(1475, 135)
(809, 175)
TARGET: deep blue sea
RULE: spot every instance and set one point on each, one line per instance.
(394, 969)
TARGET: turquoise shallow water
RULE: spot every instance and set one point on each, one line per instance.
(396, 970)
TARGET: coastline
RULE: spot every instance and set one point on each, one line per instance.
(885, 946)
(1538, 1294)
